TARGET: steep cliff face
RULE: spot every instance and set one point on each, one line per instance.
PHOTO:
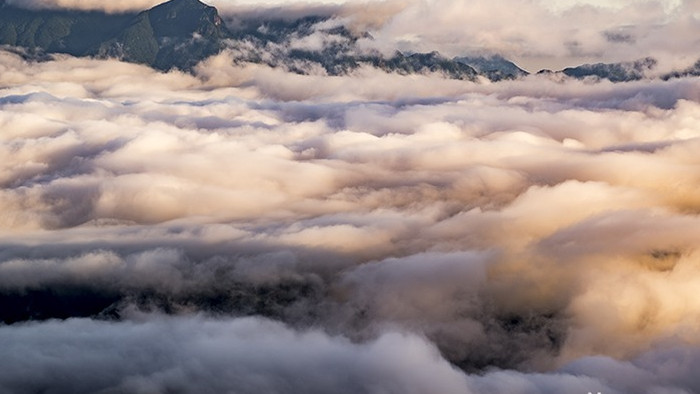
(175, 34)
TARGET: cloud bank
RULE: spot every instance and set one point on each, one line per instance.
(537, 35)
(156, 354)
(244, 228)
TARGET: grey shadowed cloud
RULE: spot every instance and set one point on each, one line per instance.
(194, 354)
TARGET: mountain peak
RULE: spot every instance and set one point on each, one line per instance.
(178, 33)
(188, 4)
(182, 18)
(494, 66)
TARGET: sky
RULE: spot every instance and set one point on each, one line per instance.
(242, 228)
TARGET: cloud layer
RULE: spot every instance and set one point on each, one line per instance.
(537, 35)
(409, 231)
(156, 355)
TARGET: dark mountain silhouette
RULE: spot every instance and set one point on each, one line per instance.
(176, 34)
(58, 31)
(692, 71)
(615, 72)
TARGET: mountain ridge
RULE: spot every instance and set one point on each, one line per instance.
(179, 34)
(175, 34)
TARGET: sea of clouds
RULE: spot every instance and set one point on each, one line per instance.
(245, 229)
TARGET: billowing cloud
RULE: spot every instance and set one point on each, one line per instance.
(209, 356)
(538, 35)
(192, 354)
(243, 227)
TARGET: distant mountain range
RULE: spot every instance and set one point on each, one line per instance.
(623, 71)
(181, 33)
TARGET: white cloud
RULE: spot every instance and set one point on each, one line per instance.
(395, 214)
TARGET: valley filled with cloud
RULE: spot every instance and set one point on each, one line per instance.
(245, 228)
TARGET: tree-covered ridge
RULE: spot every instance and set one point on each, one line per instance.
(176, 34)
(74, 32)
